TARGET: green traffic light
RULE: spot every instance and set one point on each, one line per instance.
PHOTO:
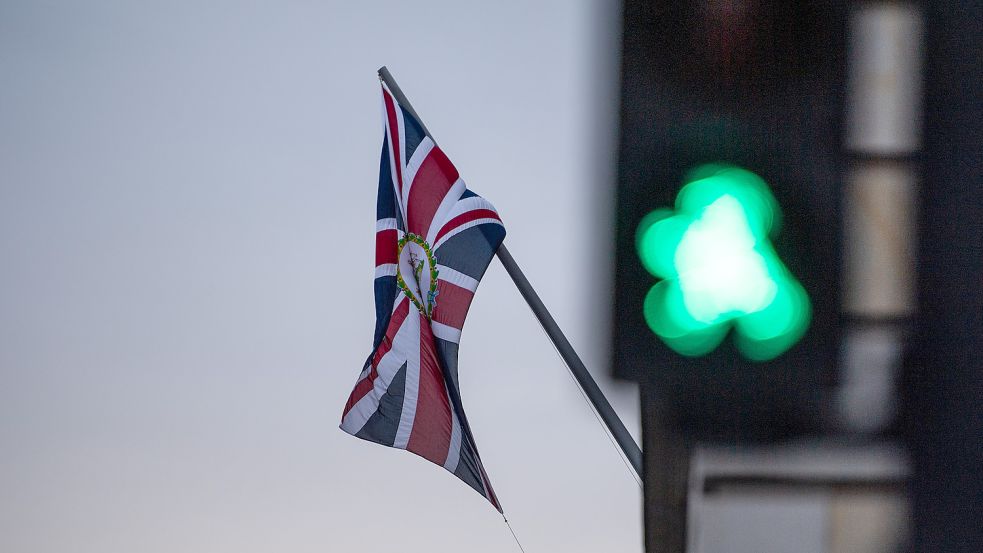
(719, 269)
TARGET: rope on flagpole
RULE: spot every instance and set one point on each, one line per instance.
(604, 428)
(516, 538)
(577, 369)
(597, 417)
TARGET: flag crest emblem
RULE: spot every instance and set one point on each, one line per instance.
(434, 241)
(416, 272)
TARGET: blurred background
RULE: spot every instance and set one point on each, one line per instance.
(799, 229)
(187, 214)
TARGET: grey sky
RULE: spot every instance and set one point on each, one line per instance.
(186, 249)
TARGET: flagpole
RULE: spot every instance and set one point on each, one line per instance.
(387, 77)
(576, 366)
(569, 355)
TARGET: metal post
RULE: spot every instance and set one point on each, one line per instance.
(570, 357)
(387, 77)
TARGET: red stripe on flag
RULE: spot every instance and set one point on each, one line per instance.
(452, 304)
(491, 493)
(394, 137)
(365, 385)
(433, 180)
(463, 218)
(385, 246)
(431, 434)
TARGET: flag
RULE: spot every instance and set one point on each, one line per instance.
(434, 240)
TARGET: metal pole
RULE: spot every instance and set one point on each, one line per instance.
(387, 77)
(570, 357)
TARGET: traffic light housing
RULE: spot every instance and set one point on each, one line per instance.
(718, 269)
(728, 215)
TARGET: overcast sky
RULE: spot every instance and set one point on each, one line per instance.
(187, 214)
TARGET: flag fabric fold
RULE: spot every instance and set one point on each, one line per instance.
(434, 240)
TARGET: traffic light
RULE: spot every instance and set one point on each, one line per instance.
(719, 269)
(728, 219)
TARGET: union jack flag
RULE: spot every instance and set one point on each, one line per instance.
(434, 240)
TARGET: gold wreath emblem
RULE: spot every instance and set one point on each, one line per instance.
(418, 266)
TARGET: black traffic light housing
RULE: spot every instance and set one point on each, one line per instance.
(758, 85)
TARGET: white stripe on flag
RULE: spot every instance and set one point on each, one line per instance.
(470, 204)
(389, 133)
(388, 223)
(386, 269)
(440, 216)
(454, 450)
(445, 332)
(402, 141)
(456, 278)
(462, 228)
(367, 406)
(410, 351)
(388, 367)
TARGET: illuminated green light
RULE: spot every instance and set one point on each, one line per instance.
(719, 269)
